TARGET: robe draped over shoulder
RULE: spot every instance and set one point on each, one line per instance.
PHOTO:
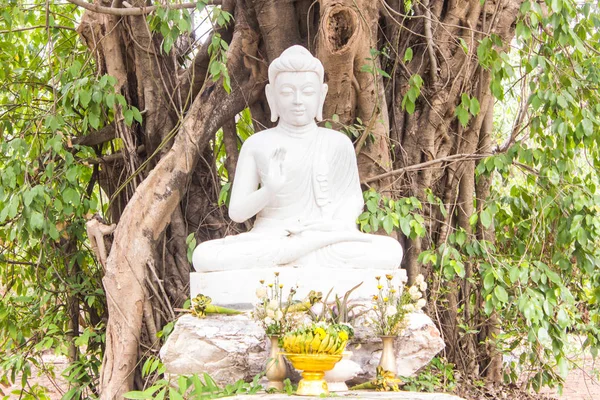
(323, 186)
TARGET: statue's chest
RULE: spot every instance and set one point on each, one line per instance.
(298, 162)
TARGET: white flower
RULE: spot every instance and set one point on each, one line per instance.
(419, 279)
(317, 308)
(268, 321)
(423, 286)
(279, 314)
(270, 313)
(391, 311)
(420, 304)
(261, 292)
(403, 278)
(273, 305)
(414, 292)
(408, 308)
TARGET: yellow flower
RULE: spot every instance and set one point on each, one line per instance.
(385, 299)
(281, 286)
(393, 291)
(375, 298)
(276, 273)
(378, 277)
(262, 281)
(343, 335)
(374, 307)
(379, 287)
(389, 277)
(321, 332)
(270, 285)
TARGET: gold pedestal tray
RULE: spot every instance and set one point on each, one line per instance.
(313, 368)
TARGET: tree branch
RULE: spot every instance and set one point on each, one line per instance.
(133, 10)
(433, 67)
(97, 137)
(454, 157)
(29, 28)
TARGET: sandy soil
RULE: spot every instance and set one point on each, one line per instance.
(581, 384)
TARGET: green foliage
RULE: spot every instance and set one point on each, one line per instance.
(198, 387)
(45, 265)
(391, 215)
(467, 107)
(409, 100)
(437, 376)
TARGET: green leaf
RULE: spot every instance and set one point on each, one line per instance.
(557, 6)
(137, 395)
(486, 218)
(463, 45)
(463, 115)
(136, 114)
(110, 100)
(94, 120)
(84, 98)
(128, 116)
(501, 294)
(70, 196)
(474, 106)
(388, 224)
(489, 280)
(184, 25)
(408, 55)
(36, 221)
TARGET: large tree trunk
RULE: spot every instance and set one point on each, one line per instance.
(165, 185)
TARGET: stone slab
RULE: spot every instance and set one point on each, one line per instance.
(361, 394)
(237, 289)
(235, 347)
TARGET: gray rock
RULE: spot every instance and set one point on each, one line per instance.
(230, 348)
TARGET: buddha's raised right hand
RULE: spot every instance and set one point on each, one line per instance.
(275, 178)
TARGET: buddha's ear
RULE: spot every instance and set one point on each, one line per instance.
(324, 89)
(272, 103)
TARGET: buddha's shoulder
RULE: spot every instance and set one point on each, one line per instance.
(335, 137)
(259, 138)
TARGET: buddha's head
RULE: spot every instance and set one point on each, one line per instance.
(296, 91)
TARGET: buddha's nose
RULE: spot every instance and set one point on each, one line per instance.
(297, 98)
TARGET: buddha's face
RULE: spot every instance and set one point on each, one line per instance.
(297, 97)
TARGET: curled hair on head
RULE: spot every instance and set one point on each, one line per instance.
(295, 59)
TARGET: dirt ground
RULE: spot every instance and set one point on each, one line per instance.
(582, 382)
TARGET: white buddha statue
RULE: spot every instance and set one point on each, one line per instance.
(301, 181)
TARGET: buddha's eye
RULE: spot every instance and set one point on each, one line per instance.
(286, 92)
(308, 91)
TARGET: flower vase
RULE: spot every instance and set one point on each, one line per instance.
(343, 371)
(276, 368)
(388, 355)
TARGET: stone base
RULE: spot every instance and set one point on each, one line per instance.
(362, 394)
(230, 348)
(237, 289)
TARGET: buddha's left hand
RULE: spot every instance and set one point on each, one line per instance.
(319, 225)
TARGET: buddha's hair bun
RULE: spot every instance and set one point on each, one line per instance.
(295, 59)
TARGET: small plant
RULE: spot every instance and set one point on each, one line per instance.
(276, 314)
(437, 376)
(201, 305)
(341, 311)
(393, 302)
(194, 387)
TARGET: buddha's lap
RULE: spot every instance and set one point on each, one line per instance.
(246, 244)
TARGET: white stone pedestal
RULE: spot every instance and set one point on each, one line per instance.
(237, 289)
(235, 347)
